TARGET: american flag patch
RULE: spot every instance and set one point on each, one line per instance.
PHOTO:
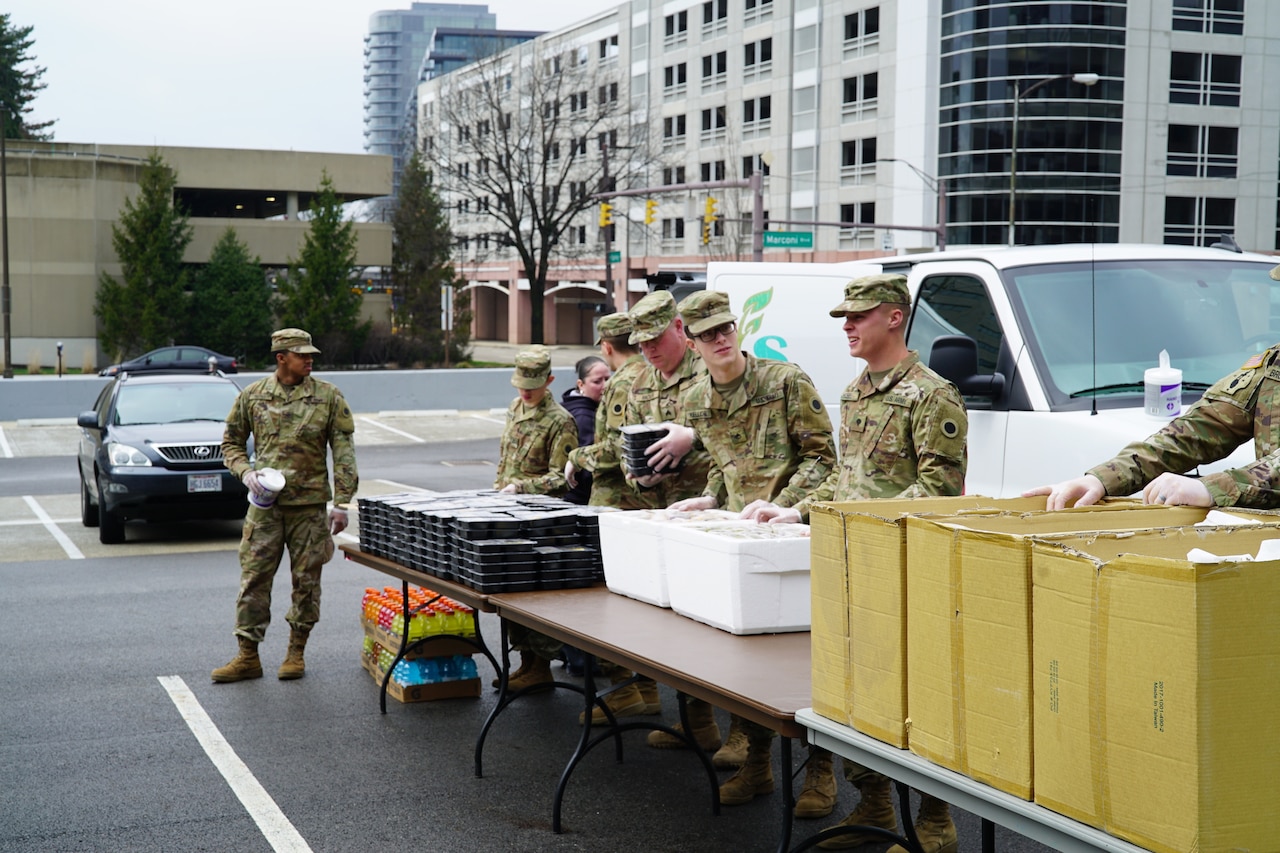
(1253, 361)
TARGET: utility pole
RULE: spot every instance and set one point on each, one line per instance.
(6, 297)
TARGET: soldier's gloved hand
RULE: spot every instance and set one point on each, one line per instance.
(767, 513)
(667, 451)
(694, 504)
(337, 521)
(510, 489)
(648, 481)
(250, 480)
(1177, 490)
(571, 475)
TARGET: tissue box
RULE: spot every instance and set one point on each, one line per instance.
(1156, 687)
(969, 634)
(751, 579)
(631, 549)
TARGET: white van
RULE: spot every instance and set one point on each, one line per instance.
(1049, 344)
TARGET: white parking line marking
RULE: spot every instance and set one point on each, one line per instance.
(21, 521)
(54, 530)
(5, 450)
(393, 484)
(393, 429)
(503, 421)
(279, 832)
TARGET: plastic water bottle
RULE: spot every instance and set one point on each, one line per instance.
(467, 667)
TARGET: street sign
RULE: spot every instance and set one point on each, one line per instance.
(788, 239)
(615, 257)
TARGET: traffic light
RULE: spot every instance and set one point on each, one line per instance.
(708, 217)
(650, 211)
(606, 214)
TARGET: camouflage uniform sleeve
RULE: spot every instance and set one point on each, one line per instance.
(562, 438)
(1209, 430)
(342, 426)
(940, 429)
(603, 453)
(235, 438)
(1256, 486)
(809, 430)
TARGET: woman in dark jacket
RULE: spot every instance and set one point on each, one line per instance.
(582, 401)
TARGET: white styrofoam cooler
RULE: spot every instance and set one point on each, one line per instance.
(632, 553)
(751, 580)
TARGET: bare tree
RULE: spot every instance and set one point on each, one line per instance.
(520, 141)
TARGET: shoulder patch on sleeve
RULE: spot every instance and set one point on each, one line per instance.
(815, 404)
(345, 422)
(1254, 361)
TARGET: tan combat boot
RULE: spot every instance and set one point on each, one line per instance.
(243, 666)
(874, 809)
(520, 670)
(818, 797)
(533, 670)
(702, 721)
(733, 754)
(934, 829)
(754, 779)
(623, 702)
(649, 693)
(293, 666)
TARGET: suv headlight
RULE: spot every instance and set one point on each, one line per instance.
(123, 455)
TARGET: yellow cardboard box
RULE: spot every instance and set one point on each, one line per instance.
(969, 632)
(857, 581)
(1156, 687)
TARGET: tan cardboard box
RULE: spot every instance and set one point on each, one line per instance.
(858, 581)
(1156, 687)
(969, 643)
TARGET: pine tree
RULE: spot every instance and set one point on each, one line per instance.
(319, 294)
(421, 269)
(147, 307)
(231, 302)
(18, 85)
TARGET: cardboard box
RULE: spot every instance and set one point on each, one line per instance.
(1156, 686)
(466, 688)
(631, 549)
(969, 632)
(858, 585)
(751, 579)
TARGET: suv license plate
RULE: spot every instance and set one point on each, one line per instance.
(204, 482)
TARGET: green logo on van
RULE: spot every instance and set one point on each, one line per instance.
(767, 346)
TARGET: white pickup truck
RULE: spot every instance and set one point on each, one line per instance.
(1049, 344)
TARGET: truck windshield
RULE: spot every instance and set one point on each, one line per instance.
(1096, 328)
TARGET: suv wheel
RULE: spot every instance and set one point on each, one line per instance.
(88, 509)
(110, 524)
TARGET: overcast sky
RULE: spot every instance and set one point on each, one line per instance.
(280, 74)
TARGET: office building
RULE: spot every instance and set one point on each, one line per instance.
(877, 122)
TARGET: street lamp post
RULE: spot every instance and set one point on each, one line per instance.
(6, 296)
(938, 186)
(1084, 79)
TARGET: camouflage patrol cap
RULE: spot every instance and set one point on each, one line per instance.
(651, 316)
(863, 294)
(705, 310)
(292, 340)
(533, 368)
(1275, 273)
(612, 326)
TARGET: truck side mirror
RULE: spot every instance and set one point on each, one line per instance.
(955, 357)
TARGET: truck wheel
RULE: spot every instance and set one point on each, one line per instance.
(88, 509)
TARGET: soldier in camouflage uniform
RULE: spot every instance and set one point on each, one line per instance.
(655, 398)
(295, 420)
(770, 439)
(603, 457)
(1238, 407)
(903, 434)
(536, 443)
(539, 433)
